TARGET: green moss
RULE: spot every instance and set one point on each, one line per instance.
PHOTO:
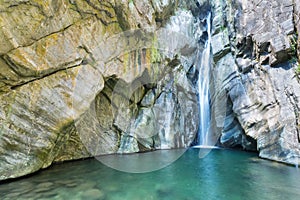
(155, 54)
(297, 69)
(223, 28)
(122, 16)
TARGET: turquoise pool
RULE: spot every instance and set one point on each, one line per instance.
(221, 175)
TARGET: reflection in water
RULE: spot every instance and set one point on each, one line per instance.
(222, 174)
(141, 162)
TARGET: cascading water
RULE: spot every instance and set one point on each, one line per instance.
(203, 88)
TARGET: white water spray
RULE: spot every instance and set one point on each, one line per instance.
(203, 88)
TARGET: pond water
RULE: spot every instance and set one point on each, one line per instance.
(221, 175)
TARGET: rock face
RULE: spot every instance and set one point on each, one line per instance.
(85, 78)
(260, 76)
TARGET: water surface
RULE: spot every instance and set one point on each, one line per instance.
(222, 174)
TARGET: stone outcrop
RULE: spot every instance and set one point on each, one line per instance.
(77, 80)
(260, 76)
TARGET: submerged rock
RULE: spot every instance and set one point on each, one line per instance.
(93, 194)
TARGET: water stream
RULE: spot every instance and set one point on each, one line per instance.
(203, 88)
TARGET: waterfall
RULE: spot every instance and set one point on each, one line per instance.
(203, 88)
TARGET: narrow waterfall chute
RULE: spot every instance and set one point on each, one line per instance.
(203, 88)
(212, 104)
